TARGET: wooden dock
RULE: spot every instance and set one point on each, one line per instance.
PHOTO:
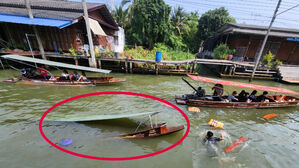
(225, 68)
(289, 74)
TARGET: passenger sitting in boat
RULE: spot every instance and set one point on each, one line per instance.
(232, 97)
(43, 72)
(64, 75)
(200, 92)
(75, 76)
(218, 90)
(264, 97)
(212, 140)
(244, 98)
(83, 77)
(252, 96)
(241, 94)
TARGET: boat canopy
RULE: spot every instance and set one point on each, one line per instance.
(101, 117)
(53, 63)
(243, 85)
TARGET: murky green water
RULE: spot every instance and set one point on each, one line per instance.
(272, 143)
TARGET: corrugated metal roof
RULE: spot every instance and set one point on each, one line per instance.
(52, 63)
(258, 30)
(64, 10)
(34, 21)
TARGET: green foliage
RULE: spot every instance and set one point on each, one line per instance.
(221, 51)
(267, 59)
(270, 60)
(120, 16)
(150, 24)
(277, 63)
(212, 21)
(167, 53)
(73, 52)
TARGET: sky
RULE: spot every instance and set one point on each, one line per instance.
(254, 12)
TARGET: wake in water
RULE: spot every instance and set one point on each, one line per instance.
(213, 153)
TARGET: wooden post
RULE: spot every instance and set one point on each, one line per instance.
(126, 66)
(91, 48)
(100, 63)
(76, 61)
(131, 67)
(39, 41)
(193, 66)
(157, 68)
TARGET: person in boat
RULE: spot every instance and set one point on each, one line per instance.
(43, 72)
(75, 76)
(83, 77)
(252, 96)
(64, 75)
(29, 73)
(218, 90)
(264, 97)
(244, 98)
(232, 97)
(242, 93)
(200, 92)
(209, 139)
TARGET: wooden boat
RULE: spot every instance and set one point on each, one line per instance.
(158, 130)
(93, 81)
(221, 102)
(55, 80)
(154, 130)
(208, 101)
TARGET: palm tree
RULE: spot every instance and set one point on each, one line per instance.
(120, 16)
(179, 21)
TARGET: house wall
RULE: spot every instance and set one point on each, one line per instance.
(286, 51)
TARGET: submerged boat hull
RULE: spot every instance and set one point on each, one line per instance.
(290, 101)
(153, 132)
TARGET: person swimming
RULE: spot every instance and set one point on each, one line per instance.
(211, 142)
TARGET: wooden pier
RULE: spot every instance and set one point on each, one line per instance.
(289, 74)
(225, 68)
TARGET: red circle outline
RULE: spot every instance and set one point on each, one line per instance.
(107, 158)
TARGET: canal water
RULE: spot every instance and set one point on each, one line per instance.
(271, 143)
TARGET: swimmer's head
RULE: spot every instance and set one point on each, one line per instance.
(210, 134)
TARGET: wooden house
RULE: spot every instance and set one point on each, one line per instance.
(247, 40)
(60, 25)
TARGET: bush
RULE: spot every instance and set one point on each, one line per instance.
(167, 53)
(221, 51)
(277, 63)
(267, 59)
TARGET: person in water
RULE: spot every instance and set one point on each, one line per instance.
(200, 92)
(212, 140)
(232, 97)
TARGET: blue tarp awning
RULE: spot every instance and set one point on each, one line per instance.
(35, 21)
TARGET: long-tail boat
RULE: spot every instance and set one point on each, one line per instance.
(52, 80)
(222, 102)
(153, 130)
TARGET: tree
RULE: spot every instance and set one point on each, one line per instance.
(211, 21)
(190, 38)
(178, 21)
(120, 16)
(150, 23)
